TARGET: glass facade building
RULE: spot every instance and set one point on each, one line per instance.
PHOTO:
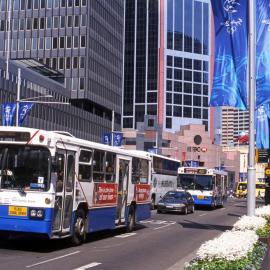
(81, 39)
(167, 56)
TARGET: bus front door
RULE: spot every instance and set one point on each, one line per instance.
(124, 167)
(64, 191)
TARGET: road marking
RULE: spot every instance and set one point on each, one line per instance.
(222, 208)
(202, 215)
(125, 235)
(164, 226)
(87, 266)
(53, 259)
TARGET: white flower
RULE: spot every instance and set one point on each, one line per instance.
(249, 223)
(230, 245)
(263, 211)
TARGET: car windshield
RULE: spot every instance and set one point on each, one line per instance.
(242, 186)
(24, 167)
(175, 195)
(193, 181)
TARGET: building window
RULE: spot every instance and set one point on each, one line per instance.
(42, 3)
(62, 21)
(75, 62)
(168, 122)
(55, 43)
(55, 22)
(34, 43)
(62, 42)
(83, 41)
(76, 21)
(83, 20)
(68, 42)
(68, 63)
(22, 24)
(75, 42)
(49, 3)
(70, 3)
(48, 43)
(81, 83)
(69, 21)
(42, 23)
(49, 22)
(61, 63)
(82, 62)
(41, 43)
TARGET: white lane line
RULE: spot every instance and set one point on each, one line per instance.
(53, 259)
(222, 208)
(125, 235)
(87, 266)
(202, 215)
(164, 226)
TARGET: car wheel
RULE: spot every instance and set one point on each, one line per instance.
(159, 211)
(192, 209)
(79, 228)
(186, 211)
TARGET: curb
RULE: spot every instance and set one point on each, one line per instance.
(180, 264)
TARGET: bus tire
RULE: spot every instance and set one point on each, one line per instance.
(4, 236)
(131, 222)
(78, 236)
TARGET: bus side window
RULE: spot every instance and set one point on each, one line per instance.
(110, 167)
(144, 171)
(98, 166)
(135, 171)
(85, 161)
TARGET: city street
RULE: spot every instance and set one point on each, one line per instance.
(157, 244)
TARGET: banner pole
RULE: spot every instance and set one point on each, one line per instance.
(251, 188)
(18, 96)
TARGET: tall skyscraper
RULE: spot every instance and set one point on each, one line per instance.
(166, 64)
(81, 39)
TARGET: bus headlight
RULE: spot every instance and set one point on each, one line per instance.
(36, 213)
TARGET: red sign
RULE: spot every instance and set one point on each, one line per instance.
(142, 192)
(105, 193)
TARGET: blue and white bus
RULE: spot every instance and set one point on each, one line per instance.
(54, 184)
(207, 186)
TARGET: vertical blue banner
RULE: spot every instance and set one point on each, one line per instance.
(8, 114)
(263, 52)
(107, 138)
(262, 127)
(117, 139)
(230, 67)
(24, 109)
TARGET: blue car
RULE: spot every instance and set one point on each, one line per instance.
(176, 201)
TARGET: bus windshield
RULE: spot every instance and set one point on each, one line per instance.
(192, 181)
(24, 167)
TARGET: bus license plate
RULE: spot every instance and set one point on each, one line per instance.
(201, 197)
(17, 211)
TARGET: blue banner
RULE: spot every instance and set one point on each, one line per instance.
(24, 109)
(107, 139)
(230, 67)
(8, 114)
(262, 127)
(117, 139)
(263, 52)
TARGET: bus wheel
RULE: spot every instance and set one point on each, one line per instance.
(131, 222)
(4, 236)
(79, 229)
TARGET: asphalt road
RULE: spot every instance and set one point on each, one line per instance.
(163, 242)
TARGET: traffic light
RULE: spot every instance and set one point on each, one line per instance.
(267, 186)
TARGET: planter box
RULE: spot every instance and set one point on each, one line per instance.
(265, 240)
(266, 260)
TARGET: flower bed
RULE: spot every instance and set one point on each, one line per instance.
(246, 247)
(249, 223)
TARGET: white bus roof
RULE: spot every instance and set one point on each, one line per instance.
(66, 137)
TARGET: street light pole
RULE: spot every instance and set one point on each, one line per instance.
(18, 96)
(251, 194)
(8, 39)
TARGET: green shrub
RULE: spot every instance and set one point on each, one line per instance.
(264, 231)
(251, 262)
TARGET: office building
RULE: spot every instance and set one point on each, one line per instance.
(81, 39)
(166, 70)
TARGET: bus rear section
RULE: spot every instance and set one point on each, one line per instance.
(207, 186)
(241, 190)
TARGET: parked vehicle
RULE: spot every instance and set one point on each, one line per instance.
(176, 201)
(241, 190)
